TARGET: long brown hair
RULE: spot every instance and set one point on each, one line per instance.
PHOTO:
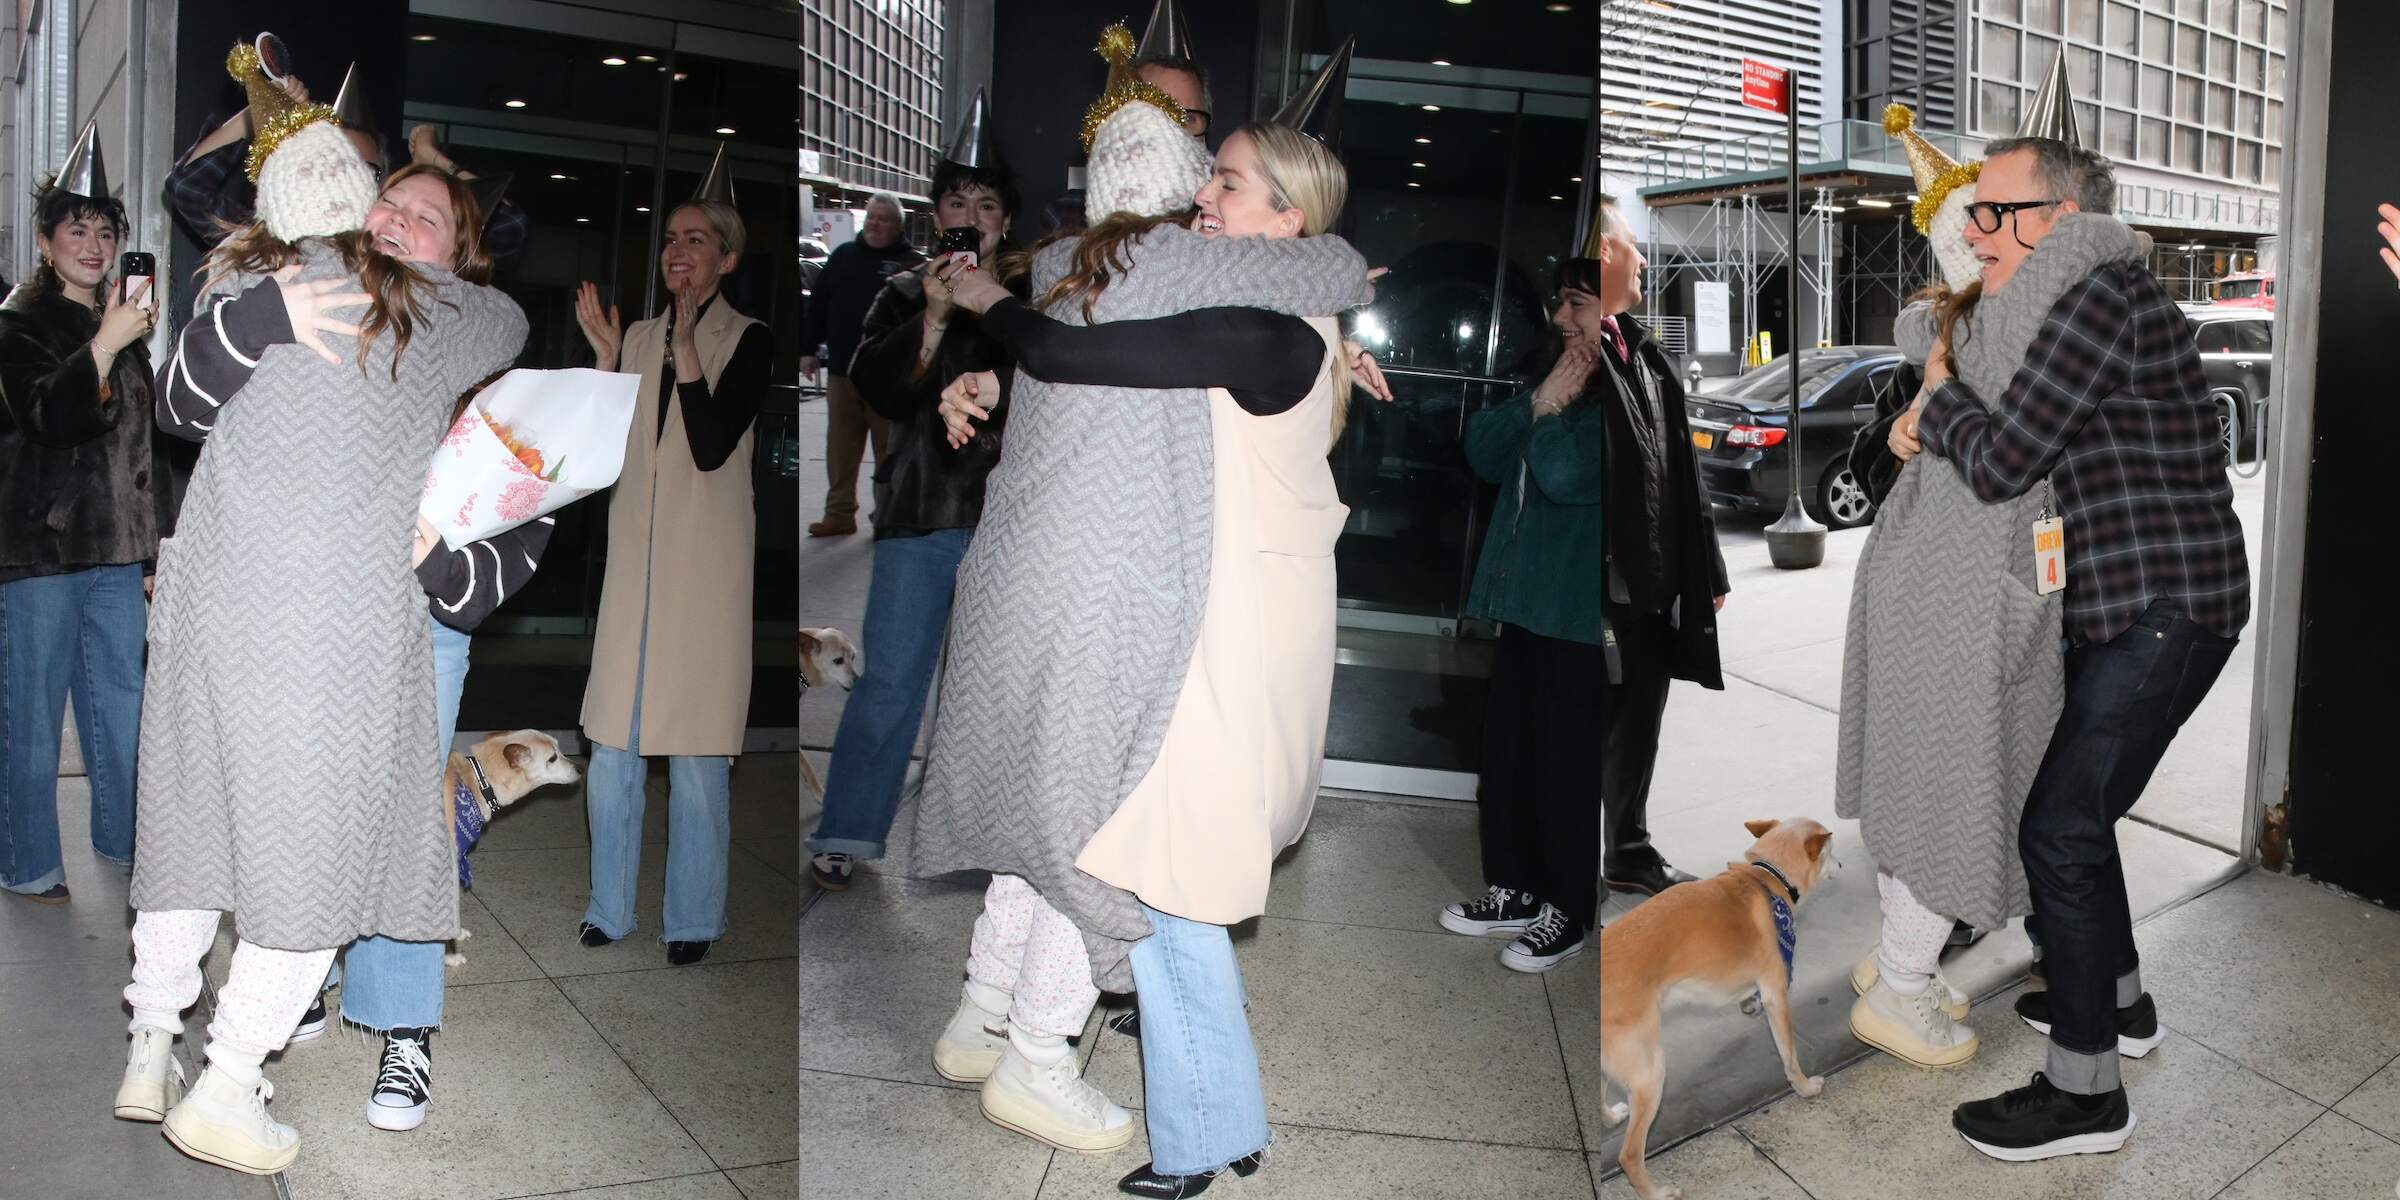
(1100, 257)
(396, 291)
(1950, 307)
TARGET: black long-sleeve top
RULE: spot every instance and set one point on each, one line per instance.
(1267, 360)
(215, 355)
(714, 419)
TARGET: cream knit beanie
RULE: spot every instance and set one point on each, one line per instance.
(1142, 163)
(314, 185)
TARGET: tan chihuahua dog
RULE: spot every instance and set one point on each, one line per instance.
(1713, 941)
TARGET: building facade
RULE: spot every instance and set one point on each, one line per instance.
(872, 100)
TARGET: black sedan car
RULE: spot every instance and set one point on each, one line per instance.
(2237, 354)
(1741, 433)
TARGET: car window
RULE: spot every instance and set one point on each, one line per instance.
(2253, 337)
(1774, 381)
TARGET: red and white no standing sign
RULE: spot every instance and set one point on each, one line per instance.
(1766, 86)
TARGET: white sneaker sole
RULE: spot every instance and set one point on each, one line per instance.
(1535, 965)
(964, 1066)
(307, 1032)
(147, 1102)
(2082, 1143)
(1457, 923)
(1017, 1116)
(1910, 1051)
(2130, 1047)
(226, 1146)
(394, 1118)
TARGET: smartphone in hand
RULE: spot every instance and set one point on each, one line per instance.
(963, 241)
(138, 267)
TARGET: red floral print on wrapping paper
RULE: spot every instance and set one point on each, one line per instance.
(461, 430)
(427, 490)
(521, 499)
(466, 507)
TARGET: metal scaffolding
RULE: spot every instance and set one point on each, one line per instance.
(1737, 240)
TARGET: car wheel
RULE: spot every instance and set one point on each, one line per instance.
(1842, 501)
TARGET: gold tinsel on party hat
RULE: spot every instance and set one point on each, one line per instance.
(274, 114)
(1124, 87)
(1937, 173)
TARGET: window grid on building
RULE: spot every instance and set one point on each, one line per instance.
(871, 90)
(2195, 87)
(1670, 75)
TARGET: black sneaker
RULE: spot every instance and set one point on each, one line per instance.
(831, 871)
(2137, 1024)
(1128, 1023)
(2039, 1121)
(684, 954)
(404, 1087)
(1551, 939)
(592, 936)
(1963, 935)
(1499, 910)
(312, 1022)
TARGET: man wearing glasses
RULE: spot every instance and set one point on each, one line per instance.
(1186, 83)
(2111, 407)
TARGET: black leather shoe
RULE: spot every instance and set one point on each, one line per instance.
(1146, 1182)
(684, 954)
(1647, 880)
(1128, 1023)
(591, 936)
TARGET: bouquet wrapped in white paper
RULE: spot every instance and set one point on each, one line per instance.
(528, 445)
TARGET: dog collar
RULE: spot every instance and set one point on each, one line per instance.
(483, 785)
(1769, 868)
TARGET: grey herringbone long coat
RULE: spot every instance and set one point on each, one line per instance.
(1080, 599)
(1952, 673)
(289, 769)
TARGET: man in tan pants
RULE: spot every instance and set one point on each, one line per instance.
(837, 305)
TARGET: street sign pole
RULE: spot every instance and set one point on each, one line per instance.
(1794, 542)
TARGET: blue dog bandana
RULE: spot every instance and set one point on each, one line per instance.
(468, 829)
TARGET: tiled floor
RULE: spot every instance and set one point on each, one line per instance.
(2280, 1078)
(1399, 1060)
(559, 1070)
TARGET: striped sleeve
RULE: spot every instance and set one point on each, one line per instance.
(463, 586)
(214, 355)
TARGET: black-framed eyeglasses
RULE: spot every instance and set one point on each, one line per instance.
(1988, 215)
(1195, 121)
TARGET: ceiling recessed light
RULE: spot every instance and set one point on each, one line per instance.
(516, 104)
(1418, 165)
(613, 60)
(583, 220)
(1462, 1)
(422, 37)
(1441, 62)
(641, 208)
(556, 175)
(1431, 107)
(1424, 141)
(1876, 203)
(680, 76)
(1558, 197)
(1574, 179)
(1414, 183)
(727, 130)
(1561, 8)
(647, 58)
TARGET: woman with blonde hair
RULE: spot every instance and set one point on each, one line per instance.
(292, 796)
(1236, 774)
(671, 660)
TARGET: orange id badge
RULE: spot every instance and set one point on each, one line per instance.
(2049, 555)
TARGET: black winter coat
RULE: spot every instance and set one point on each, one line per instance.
(923, 484)
(84, 475)
(1700, 566)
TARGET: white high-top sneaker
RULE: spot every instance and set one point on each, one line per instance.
(1053, 1105)
(1913, 1029)
(153, 1076)
(225, 1123)
(1869, 969)
(971, 1043)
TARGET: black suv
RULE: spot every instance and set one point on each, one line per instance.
(2237, 354)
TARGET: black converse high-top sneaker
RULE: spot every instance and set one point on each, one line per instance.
(1551, 939)
(404, 1087)
(1498, 910)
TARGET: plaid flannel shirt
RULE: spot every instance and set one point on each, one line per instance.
(212, 188)
(2112, 408)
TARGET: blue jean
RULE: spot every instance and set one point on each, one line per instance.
(699, 834)
(398, 985)
(2126, 699)
(1203, 1098)
(78, 635)
(908, 609)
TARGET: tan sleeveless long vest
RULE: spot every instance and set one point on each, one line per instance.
(682, 542)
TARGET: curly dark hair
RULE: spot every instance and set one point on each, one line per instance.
(54, 206)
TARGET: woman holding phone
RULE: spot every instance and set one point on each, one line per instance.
(84, 476)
